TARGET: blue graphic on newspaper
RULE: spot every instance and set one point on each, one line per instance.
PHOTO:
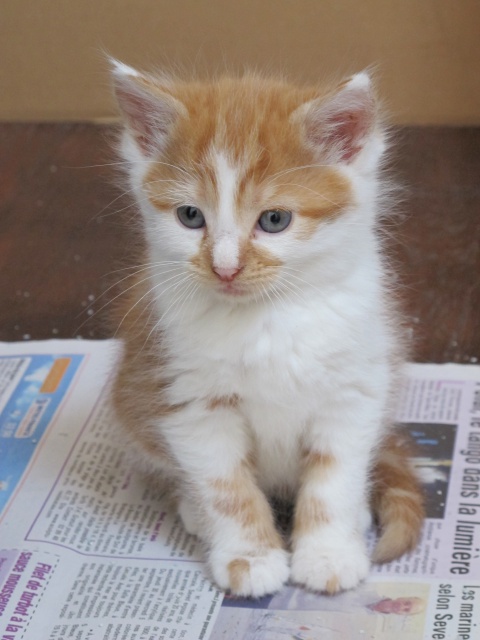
(32, 389)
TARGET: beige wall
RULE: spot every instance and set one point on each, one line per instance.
(426, 51)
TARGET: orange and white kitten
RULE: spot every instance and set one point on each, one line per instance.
(260, 351)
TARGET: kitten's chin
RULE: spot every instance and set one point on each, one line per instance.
(233, 292)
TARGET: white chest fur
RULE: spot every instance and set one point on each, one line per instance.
(285, 364)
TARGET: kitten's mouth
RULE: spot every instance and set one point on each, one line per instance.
(232, 289)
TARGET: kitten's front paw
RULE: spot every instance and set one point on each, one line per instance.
(250, 575)
(330, 565)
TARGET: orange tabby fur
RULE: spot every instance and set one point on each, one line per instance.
(278, 170)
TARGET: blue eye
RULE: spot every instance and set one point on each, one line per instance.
(275, 220)
(191, 217)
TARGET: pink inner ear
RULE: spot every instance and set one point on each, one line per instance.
(149, 117)
(347, 132)
(342, 126)
(137, 111)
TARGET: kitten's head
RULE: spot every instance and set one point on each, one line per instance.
(251, 184)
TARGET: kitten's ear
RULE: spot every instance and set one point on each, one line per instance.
(149, 111)
(340, 126)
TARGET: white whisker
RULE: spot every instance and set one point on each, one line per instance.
(185, 294)
(115, 284)
(164, 314)
(136, 284)
(125, 193)
(146, 264)
(292, 169)
(302, 186)
(156, 286)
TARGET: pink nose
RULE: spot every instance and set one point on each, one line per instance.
(227, 275)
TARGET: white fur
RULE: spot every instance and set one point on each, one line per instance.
(359, 81)
(309, 362)
(225, 229)
(329, 555)
(267, 574)
(120, 68)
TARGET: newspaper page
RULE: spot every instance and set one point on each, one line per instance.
(90, 550)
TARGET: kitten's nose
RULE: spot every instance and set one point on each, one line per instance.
(227, 275)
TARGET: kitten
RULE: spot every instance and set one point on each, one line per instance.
(260, 352)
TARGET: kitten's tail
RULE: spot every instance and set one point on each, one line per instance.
(397, 500)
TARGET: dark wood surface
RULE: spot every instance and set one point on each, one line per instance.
(61, 235)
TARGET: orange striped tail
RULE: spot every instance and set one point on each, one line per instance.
(397, 500)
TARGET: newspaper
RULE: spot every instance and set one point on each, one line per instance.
(90, 550)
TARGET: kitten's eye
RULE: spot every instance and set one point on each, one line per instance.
(191, 217)
(275, 220)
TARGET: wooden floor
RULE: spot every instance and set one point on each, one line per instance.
(62, 234)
